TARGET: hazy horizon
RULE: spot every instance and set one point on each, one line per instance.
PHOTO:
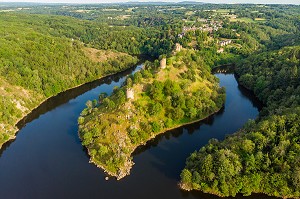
(296, 2)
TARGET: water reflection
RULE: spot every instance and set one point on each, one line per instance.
(174, 133)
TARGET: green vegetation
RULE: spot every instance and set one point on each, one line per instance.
(48, 49)
(274, 77)
(112, 128)
(35, 65)
(264, 156)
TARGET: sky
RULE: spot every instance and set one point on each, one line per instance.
(117, 1)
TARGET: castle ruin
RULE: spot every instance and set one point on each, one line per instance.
(178, 47)
(130, 93)
(163, 63)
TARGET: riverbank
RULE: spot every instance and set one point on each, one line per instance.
(126, 170)
(257, 158)
(13, 130)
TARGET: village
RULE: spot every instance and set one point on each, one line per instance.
(208, 26)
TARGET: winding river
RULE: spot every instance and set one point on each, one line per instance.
(47, 159)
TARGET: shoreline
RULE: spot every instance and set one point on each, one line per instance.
(182, 187)
(127, 169)
(25, 115)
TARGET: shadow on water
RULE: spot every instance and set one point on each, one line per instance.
(250, 95)
(175, 133)
(230, 69)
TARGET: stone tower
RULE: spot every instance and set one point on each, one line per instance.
(130, 93)
(163, 63)
(178, 47)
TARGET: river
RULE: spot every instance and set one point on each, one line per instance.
(47, 159)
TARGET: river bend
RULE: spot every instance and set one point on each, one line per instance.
(47, 159)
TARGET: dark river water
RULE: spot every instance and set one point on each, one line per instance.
(47, 159)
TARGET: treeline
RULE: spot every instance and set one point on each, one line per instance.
(264, 155)
(129, 39)
(274, 77)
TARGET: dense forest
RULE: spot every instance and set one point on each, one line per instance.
(162, 98)
(35, 65)
(264, 155)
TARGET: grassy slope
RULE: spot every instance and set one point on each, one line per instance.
(111, 135)
(35, 65)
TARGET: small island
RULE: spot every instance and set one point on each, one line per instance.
(164, 95)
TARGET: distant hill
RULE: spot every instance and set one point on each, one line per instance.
(164, 2)
(191, 2)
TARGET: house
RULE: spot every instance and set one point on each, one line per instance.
(225, 42)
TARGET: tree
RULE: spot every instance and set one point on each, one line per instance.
(296, 178)
(108, 103)
(120, 97)
(155, 108)
(177, 113)
(94, 103)
(186, 177)
(89, 104)
(102, 96)
(129, 82)
(137, 77)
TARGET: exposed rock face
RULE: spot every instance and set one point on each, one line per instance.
(163, 63)
(221, 50)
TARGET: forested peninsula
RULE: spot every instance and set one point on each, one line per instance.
(263, 157)
(157, 98)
